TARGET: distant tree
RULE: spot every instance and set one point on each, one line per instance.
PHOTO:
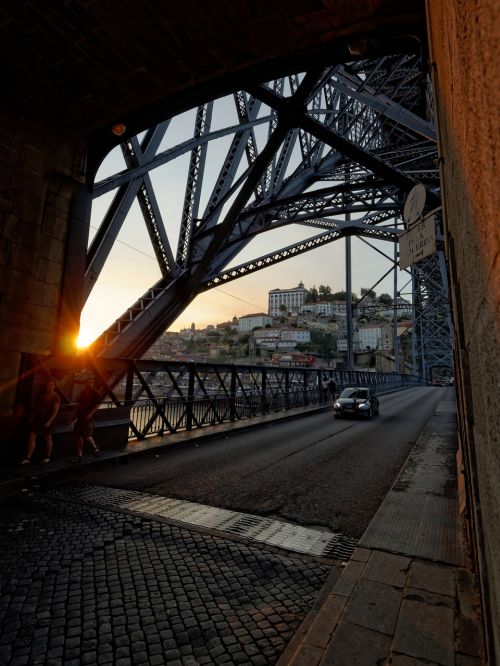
(368, 292)
(312, 296)
(325, 292)
(228, 334)
(386, 299)
(342, 296)
(321, 343)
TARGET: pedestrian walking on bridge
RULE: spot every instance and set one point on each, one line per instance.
(324, 388)
(88, 404)
(332, 390)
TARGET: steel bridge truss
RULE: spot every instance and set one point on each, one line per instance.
(334, 150)
(431, 342)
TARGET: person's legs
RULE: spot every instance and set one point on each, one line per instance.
(78, 448)
(30, 449)
(95, 448)
(48, 447)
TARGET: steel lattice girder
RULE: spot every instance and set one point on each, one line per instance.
(432, 317)
(358, 130)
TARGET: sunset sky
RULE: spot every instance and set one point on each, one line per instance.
(132, 268)
(131, 272)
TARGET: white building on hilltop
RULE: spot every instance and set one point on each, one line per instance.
(287, 301)
(249, 322)
(324, 308)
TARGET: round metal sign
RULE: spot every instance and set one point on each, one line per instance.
(414, 205)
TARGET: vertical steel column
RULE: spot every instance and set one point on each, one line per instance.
(348, 288)
(395, 311)
(414, 324)
(422, 351)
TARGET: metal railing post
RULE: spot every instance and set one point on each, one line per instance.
(129, 384)
(232, 393)
(263, 392)
(287, 388)
(190, 398)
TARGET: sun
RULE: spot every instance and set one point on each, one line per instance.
(84, 339)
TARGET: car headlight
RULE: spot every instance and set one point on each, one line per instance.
(364, 405)
(337, 405)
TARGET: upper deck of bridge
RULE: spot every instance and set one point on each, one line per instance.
(76, 68)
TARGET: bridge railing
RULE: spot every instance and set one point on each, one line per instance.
(147, 398)
(186, 411)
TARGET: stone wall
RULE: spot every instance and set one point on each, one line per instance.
(464, 36)
(38, 175)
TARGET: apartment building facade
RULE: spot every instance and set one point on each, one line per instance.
(287, 301)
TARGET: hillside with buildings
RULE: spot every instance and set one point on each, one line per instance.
(302, 327)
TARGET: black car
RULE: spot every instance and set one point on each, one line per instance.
(359, 401)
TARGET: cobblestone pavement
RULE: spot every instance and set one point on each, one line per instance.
(84, 584)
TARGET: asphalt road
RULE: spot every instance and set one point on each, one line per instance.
(314, 471)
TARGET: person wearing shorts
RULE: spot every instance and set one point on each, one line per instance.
(42, 420)
(88, 404)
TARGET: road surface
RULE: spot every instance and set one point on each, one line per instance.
(313, 471)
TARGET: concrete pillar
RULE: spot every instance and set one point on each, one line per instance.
(464, 45)
(39, 174)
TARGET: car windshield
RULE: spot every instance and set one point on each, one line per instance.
(363, 394)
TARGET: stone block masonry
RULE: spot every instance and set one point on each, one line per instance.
(463, 40)
(33, 227)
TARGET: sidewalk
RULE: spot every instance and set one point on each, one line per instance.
(408, 595)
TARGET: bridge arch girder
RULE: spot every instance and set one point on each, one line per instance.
(364, 145)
